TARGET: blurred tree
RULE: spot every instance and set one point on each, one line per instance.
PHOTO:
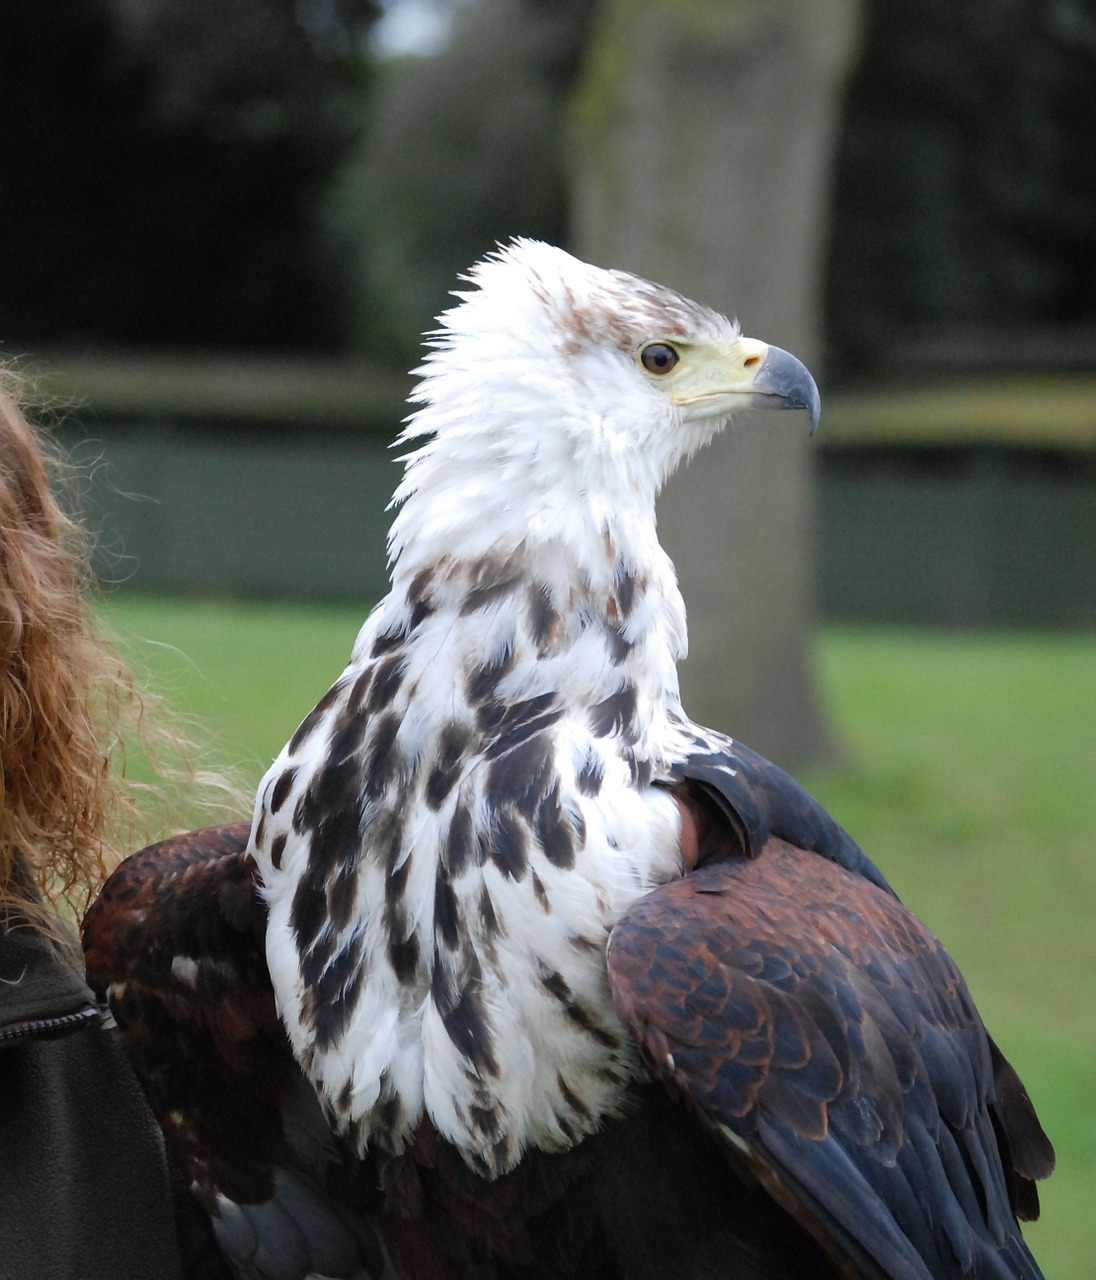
(163, 160)
(702, 151)
(463, 148)
(966, 189)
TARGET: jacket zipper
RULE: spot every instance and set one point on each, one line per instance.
(31, 1027)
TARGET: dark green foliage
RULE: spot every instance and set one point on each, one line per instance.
(212, 173)
(463, 149)
(965, 185)
(162, 164)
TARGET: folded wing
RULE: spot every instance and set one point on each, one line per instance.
(824, 1033)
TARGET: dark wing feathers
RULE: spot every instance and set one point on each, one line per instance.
(758, 800)
(1029, 1154)
(176, 945)
(826, 1034)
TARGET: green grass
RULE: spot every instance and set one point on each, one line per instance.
(968, 776)
(246, 673)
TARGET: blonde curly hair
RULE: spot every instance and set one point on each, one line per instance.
(68, 700)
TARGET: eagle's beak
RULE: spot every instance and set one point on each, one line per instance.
(783, 382)
(714, 379)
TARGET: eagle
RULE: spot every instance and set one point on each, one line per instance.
(517, 970)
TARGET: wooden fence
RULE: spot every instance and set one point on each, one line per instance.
(967, 502)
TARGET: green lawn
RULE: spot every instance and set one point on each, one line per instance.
(247, 673)
(969, 778)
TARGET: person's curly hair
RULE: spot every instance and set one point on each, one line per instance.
(68, 701)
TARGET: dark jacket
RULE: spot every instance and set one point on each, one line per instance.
(85, 1190)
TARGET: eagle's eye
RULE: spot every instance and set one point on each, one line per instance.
(658, 357)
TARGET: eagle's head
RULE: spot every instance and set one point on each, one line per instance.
(556, 388)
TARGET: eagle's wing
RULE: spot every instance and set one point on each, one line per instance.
(751, 800)
(175, 945)
(824, 1033)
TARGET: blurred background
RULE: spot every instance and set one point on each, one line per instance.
(227, 222)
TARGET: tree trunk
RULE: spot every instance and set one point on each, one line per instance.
(702, 135)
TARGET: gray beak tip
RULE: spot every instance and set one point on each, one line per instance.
(787, 380)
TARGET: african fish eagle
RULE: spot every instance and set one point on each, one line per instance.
(518, 971)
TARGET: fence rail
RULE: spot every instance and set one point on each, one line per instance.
(965, 501)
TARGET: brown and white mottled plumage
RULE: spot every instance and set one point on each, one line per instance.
(508, 887)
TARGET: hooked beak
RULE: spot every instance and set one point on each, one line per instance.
(783, 382)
